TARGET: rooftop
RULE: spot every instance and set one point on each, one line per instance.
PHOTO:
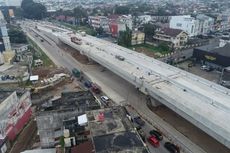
(114, 120)
(18, 45)
(70, 101)
(170, 32)
(213, 48)
(86, 147)
(113, 132)
(4, 93)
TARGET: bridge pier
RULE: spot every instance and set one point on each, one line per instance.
(154, 102)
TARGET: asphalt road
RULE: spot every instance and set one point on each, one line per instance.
(116, 88)
(121, 91)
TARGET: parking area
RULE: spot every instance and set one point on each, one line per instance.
(196, 69)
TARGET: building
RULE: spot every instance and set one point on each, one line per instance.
(175, 37)
(4, 39)
(3, 146)
(119, 23)
(143, 19)
(112, 131)
(60, 113)
(137, 37)
(99, 21)
(21, 51)
(206, 24)
(15, 112)
(216, 57)
(16, 3)
(186, 23)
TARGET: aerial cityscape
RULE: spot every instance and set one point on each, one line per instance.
(114, 76)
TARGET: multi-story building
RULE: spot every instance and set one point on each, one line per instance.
(175, 37)
(137, 37)
(4, 38)
(143, 19)
(206, 24)
(16, 3)
(15, 111)
(186, 23)
(119, 23)
(99, 21)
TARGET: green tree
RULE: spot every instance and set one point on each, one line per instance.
(149, 31)
(100, 30)
(33, 10)
(125, 37)
(164, 46)
(79, 14)
(17, 36)
(122, 10)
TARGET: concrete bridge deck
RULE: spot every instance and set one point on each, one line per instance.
(203, 103)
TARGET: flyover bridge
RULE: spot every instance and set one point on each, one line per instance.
(203, 103)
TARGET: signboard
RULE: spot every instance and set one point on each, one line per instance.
(11, 13)
(211, 58)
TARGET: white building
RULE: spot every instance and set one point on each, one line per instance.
(206, 24)
(186, 23)
(16, 3)
(99, 21)
(143, 19)
(127, 21)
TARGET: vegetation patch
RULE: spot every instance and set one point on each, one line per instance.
(39, 54)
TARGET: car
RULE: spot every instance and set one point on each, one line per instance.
(153, 141)
(171, 147)
(157, 134)
(206, 68)
(139, 121)
(104, 98)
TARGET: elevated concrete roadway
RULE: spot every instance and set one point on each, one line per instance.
(203, 103)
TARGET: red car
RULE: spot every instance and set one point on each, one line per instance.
(153, 141)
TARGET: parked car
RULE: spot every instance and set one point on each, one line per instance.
(153, 141)
(104, 98)
(171, 147)
(139, 121)
(88, 84)
(157, 134)
(206, 68)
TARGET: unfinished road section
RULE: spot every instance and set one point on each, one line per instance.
(203, 103)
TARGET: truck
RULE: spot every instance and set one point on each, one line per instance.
(76, 40)
(76, 72)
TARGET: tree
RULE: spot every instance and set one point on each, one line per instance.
(17, 36)
(100, 30)
(149, 30)
(122, 10)
(33, 10)
(125, 37)
(164, 46)
(79, 14)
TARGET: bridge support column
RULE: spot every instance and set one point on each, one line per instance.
(154, 102)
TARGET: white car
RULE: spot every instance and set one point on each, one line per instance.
(104, 98)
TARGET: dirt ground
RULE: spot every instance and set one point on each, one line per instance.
(26, 138)
(76, 54)
(146, 52)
